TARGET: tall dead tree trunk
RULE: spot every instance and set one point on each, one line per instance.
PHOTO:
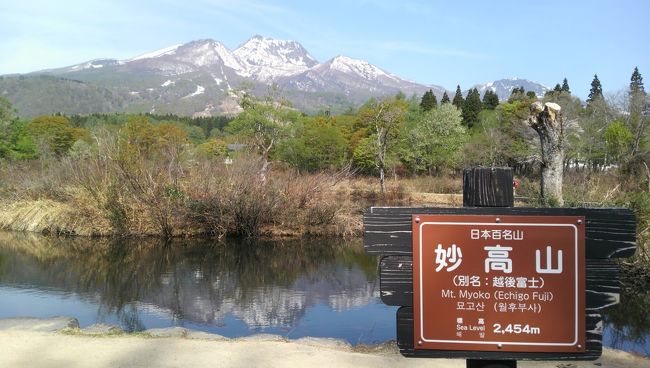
(548, 122)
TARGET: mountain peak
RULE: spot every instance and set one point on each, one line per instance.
(362, 68)
(269, 58)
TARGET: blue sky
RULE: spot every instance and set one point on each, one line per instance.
(430, 42)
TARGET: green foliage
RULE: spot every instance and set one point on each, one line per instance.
(565, 86)
(490, 100)
(501, 138)
(140, 140)
(383, 119)
(316, 145)
(445, 98)
(636, 82)
(618, 139)
(55, 134)
(517, 94)
(638, 109)
(471, 107)
(531, 95)
(429, 101)
(214, 148)
(596, 91)
(263, 124)
(458, 100)
(7, 112)
(434, 140)
(15, 141)
(365, 156)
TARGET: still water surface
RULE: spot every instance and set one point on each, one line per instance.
(290, 288)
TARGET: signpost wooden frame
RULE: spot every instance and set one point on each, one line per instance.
(610, 233)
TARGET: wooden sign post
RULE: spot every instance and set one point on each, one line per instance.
(492, 283)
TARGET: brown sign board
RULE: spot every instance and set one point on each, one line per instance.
(499, 283)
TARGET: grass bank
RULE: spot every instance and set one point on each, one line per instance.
(104, 197)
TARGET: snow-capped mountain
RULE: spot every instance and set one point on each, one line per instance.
(266, 58)
(198, 78)
(504, 87)
(353, 77)
(261, 59)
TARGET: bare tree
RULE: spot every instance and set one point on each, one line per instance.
(548, 122)
(384, 117)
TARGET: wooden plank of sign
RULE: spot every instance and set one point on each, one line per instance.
(488, 187)
(609, 232)
(396, 282)
(405, 334)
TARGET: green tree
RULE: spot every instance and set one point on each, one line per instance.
(317, 144)
(263, 124)
(434, 140)
(445, 98)
(638, 103)
(636, 82)
(384, 119)
(617, 139)
(471, 107)
(565, 86)
(531, 95)
(596, 91)
(557, 88)
(429, 101)
(458, 100)
(55, 134)
(490, 100)
(518, 93)
(15, 140)
(365, 156)
(499, 138)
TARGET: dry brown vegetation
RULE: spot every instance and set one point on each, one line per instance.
(180, 194)
(197, 196)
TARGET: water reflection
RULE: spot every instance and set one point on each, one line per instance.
(291, 288)
(234, 289)
(628, 323)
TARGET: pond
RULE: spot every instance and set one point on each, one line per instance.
(308, 287)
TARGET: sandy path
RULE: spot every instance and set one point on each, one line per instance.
(48, 349)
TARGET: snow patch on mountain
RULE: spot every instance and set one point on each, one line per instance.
(168, 82)
(154, 54)
(209, 52)
(199, 91)
(93, 64)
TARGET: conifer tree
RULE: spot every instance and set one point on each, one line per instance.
(531, 95)
(565, 86)
(445, 98)
(557, 88)
(518, 93)
(490, 100)
(636, 82)
(596, 91)
(429, 101)
(471, 107)
(638, 107)
(458, 100)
